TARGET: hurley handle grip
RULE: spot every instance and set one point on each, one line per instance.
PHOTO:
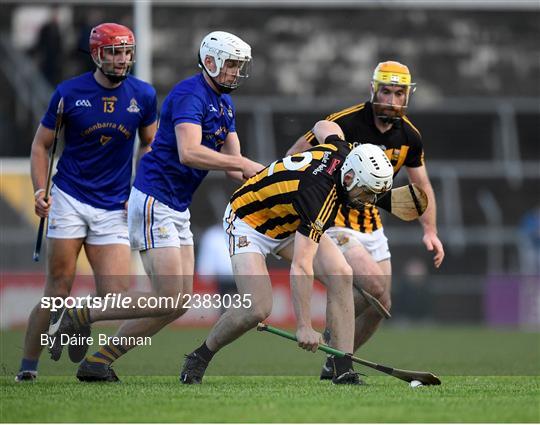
(323, 347)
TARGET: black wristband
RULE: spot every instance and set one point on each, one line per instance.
(333, 138)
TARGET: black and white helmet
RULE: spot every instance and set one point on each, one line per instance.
(370, 169)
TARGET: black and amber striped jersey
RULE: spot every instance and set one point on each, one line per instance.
(300, 193)
(402, 144)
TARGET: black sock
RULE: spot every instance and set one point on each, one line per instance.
(342, 365)
(326, 336)
(205, 352)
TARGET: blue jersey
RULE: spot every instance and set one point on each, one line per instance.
(100, 126)
(160, 172)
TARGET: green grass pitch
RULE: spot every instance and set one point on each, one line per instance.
(488, 376)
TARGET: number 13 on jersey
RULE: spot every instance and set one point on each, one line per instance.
(108, 106)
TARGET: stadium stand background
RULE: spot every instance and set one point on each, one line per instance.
(477, 106)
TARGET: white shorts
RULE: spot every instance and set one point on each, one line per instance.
(376, 243)
(241, 237)
(73, 219)
(153, 224)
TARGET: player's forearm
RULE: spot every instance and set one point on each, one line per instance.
(39, 164)
(206, 159)
(236, 176)
(301, 289)
(429, 218)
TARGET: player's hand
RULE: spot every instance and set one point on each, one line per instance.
(433, 243)
(42, 207)
(126, 204)
(308, 339)
(250, 168)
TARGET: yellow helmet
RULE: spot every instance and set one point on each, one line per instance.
(391, 72)
(395, 74)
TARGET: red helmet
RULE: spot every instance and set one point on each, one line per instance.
(111, 36)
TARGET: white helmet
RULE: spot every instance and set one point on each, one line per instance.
(371, 171)
(223, 46)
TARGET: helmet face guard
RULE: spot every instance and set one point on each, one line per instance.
(112, 45)
(230, 74)
(365, 174)
(360, 196)
(232, 60)
(118, 54)
(392, 74)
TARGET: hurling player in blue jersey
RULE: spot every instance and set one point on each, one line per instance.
(196, 134)
(103, 110)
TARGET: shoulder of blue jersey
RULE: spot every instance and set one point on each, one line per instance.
(74, 82)
(141, 85)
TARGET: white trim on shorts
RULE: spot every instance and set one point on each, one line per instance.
(376, 243)
(153, 224)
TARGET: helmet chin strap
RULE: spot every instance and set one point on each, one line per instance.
(220, 87)
(114, 79)
(357, 204)
(389, 120)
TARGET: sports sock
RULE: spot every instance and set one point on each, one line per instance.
(80, 315)
(27, 364)
(107, 354)
(326, 336)
(342, 365)
(204, 352)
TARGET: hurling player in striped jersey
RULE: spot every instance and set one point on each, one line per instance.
(284, 210)
(359, 233)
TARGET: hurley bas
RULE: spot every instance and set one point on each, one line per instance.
(102, 339)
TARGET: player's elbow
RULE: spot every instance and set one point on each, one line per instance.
(40, 144)
(186, 158)
(36, 148)
(322, 129)
(38, 151)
